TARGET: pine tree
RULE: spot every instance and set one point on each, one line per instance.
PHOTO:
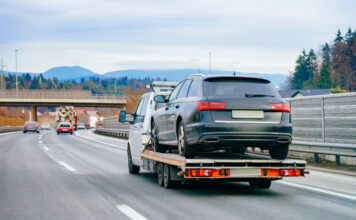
(339, 37)
(324, 77)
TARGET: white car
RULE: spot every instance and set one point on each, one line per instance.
(139, 136)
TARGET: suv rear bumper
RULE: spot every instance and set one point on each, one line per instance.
(252, 135)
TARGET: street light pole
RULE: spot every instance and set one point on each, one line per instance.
(17, 84)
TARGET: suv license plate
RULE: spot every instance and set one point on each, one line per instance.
(247, 114)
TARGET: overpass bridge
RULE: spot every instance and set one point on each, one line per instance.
(48, 98)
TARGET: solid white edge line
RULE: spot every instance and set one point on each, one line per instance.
(67, 166)
(319, 190)
(113, 145)
(131, 213)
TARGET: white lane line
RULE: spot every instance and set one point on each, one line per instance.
(40, 137)
(46, 148)
(319, 190)
(71, 169)
(131, 213)
(113, 145)
(40, 142)
(11, 132)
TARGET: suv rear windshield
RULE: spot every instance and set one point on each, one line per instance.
(238, 87)
(31, 123)
(64, 125)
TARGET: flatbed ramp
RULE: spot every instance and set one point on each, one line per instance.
(248, 167)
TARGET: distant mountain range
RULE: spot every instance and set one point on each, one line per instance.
(77, 72)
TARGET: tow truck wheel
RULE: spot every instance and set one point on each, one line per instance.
(183, 148)
(279, 152)
(155, 144)
(133, 169)
(167, 180)
(261, 184)
(160, 175)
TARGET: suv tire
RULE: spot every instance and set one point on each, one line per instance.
(154, 140)
(279, 152)
(183, 148)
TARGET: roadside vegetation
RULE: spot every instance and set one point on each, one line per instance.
(333, 66)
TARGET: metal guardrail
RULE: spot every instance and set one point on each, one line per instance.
(324, 125)
(6, 129)
(121, 133)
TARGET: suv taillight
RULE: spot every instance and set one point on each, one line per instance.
(280, 107)
(205, 106)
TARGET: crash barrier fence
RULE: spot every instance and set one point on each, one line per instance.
(10, 129)
(322, 125)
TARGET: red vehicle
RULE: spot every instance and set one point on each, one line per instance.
(64, 127)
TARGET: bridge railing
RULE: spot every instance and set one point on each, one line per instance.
(56, 94)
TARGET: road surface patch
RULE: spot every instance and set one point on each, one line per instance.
(71, 169)
(319, 190)
(131, 213)
(112, 145)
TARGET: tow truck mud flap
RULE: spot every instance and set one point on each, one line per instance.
(148, 165)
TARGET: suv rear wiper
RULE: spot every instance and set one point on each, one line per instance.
(257, 95)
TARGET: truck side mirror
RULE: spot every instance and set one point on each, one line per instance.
(122, 116)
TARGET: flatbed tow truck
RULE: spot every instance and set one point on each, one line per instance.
(258, 170)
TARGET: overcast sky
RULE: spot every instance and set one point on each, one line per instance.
(105, 35)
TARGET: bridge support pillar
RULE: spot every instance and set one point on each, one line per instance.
(33, 113)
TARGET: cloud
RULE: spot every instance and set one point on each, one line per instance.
(264, 36)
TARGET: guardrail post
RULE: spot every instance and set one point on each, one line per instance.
(337, 158)
(316, 157)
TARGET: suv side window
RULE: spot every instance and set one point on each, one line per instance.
(184, 90)
(193, 90)
(174, 93)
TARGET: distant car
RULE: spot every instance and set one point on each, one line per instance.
(81, 126)
(64, 127)
(31, 126)
(87, 126)
(207, 113)
(45, 126)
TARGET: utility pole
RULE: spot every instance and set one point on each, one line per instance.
(17, 84)
(210, 62)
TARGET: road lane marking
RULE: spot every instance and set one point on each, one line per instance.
(113, 145)
(40, 142)
(40, 137)
(46, 148)
(319, 190)
(131, 213)
(67, 166)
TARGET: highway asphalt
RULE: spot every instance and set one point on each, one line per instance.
(50, 176)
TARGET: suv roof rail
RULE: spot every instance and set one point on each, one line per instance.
(197, 74)
(163, 86)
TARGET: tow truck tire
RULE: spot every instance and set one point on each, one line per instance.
(133, 169)
(155, 143)
(167, 180)
(261, 184)
(183, 148)
(160, 174)
(279, 152)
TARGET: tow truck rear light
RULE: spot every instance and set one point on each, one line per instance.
(208, 173)
(280, 107)
(290, 172)
(205, 106)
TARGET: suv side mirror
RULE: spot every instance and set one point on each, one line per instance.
(160, 99)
